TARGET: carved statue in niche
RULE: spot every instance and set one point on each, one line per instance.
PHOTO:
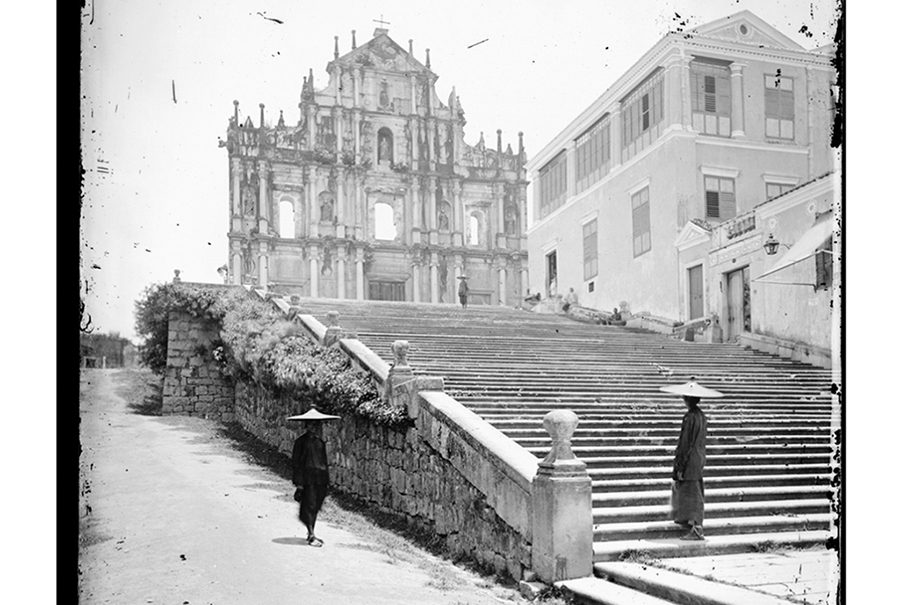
(448, 143)
(249, 199)
(510, 220)
(442, 145)
(385, 147)
(383, 98)
(443, 219)
(326, 203)
(248, 260)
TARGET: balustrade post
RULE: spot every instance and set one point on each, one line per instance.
(561, 507)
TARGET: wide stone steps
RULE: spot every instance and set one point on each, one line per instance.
(769, 464)
(713, 526)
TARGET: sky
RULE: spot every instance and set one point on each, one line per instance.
(162, 203)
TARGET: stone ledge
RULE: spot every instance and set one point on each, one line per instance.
(813, 355)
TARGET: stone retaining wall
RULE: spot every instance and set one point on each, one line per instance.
(399, 473)
(193, 382)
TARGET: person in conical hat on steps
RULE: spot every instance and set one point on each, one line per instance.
(688, 490)
(310, 470)
(463, 291)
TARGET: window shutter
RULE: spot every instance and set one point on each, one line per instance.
(772, 106)
(723, 95)
(727, 205)
(712, 205)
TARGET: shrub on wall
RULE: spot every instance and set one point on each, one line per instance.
(258, 345)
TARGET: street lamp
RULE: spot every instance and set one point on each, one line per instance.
(771, 245)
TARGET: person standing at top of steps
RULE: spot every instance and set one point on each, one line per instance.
(688, 490)
(310, 470)
(463, 291)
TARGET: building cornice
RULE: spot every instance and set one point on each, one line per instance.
(802, 194)
(751, 145)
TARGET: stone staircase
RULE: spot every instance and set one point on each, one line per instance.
(770, 446)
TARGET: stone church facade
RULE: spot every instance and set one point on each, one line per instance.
(373, 193)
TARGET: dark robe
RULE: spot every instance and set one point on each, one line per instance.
(310, 476)
(688, 492)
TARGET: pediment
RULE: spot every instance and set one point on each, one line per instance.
(691, 235)
(381, 52)
(746, 28)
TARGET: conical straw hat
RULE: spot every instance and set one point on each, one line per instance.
(313, 414)
(691, 389)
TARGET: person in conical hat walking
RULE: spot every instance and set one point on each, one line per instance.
(688, 490)
(310, 470)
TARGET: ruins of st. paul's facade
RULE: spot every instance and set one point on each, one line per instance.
(373, 193)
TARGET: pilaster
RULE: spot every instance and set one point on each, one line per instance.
(737, 115)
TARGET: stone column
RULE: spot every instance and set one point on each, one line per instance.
(312, 208)
(360, 213)
(237, 268)
(457, 187)
(434, 277)
(417, 282)
(615, 132)
(430, 127)
(561, 507)
(524, 281)
(686, 98)
(357, 73)
(571, 169)
(336, 114)
(499, 236)
(341, 272)
(357, 119)
(314, 273)
(417, 211)
(337, 81)
(236, 166)
(360, 274)
(432, 206)
(412, 99)
(263, 265)
(737, 117)
(674, 92)
(310, 122)
(264, 214)
(502, 283)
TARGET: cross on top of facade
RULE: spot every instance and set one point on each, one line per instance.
(381, 21)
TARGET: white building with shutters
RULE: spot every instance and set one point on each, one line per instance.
(635, 196)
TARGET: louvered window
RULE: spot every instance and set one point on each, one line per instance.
(641, 112)
(642, 238)
(773, 190)
(590, 249)
(552, 185)
(779, 107)
(593, 154)
(710, 83)
(720, 202)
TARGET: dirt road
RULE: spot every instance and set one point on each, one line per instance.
(172, 514)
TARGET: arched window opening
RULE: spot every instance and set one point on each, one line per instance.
(385, 146)
(384, 222)
(287, 220)
(473, 235)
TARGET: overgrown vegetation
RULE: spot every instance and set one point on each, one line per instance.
(258, 345)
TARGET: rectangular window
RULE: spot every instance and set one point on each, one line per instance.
(553, 185)
(593, 154)
(641, 112)
(779, 107)
(642, 238)
(720, 202)
(773, 190)
(590, 249)
(824, 266)
(710, 86)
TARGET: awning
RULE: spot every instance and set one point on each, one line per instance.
(805, 247)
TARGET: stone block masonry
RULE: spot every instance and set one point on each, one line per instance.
(397, 472)
(193, 382)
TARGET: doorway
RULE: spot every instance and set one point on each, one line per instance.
(694, 279)
(738, 303)
(551, 273)
(386, 290)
